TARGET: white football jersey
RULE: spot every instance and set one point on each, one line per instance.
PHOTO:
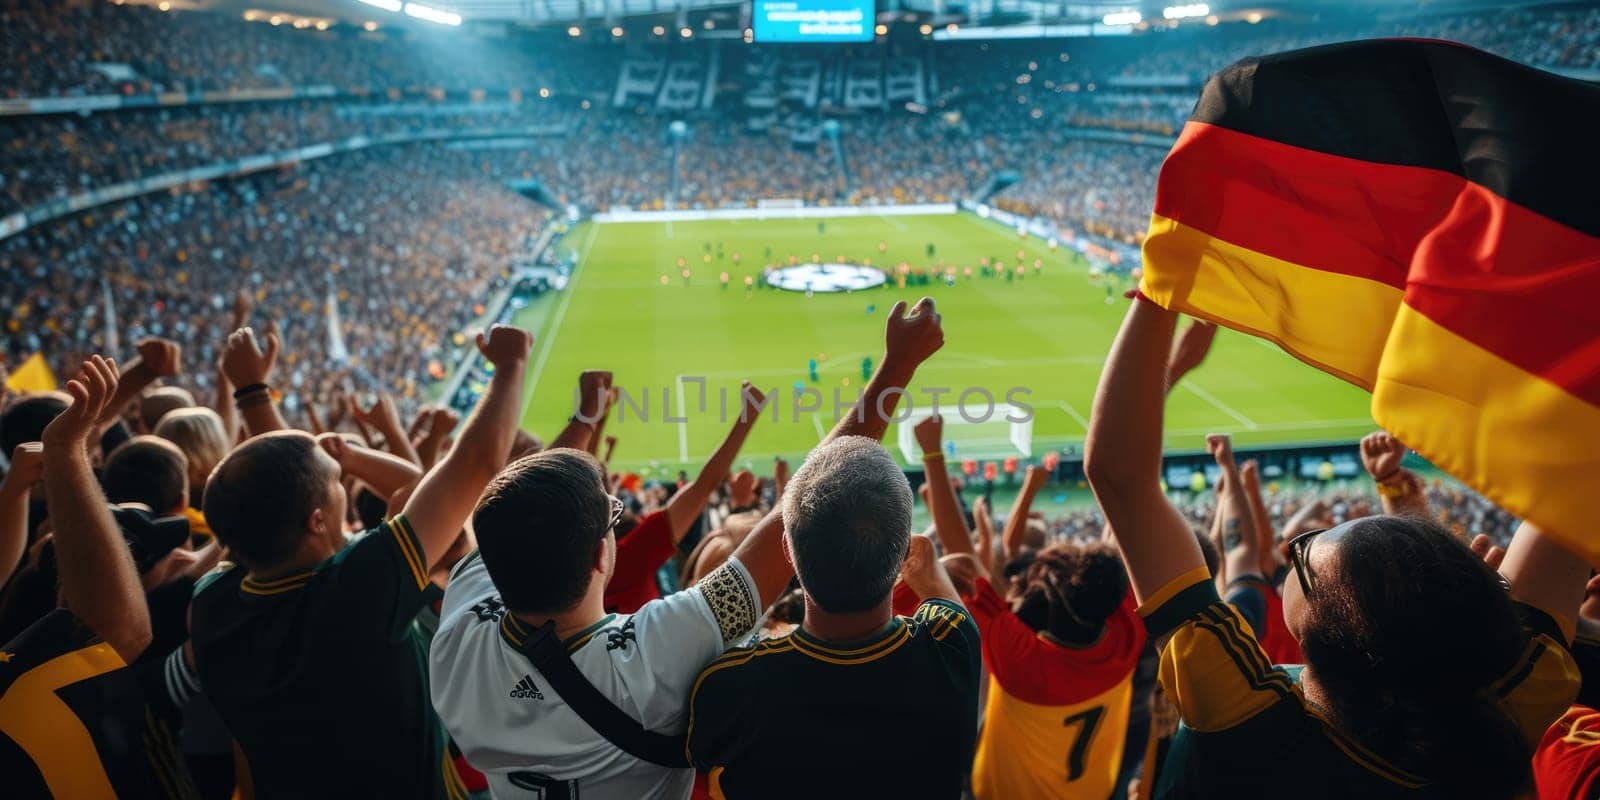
(513, 726)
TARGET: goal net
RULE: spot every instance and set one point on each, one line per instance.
(992, 436)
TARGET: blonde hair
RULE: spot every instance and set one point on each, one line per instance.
(198, 432)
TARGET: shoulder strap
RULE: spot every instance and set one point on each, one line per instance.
(550, 657)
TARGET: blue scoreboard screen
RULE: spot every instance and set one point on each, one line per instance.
(813, 20)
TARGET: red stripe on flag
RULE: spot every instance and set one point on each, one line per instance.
(1509, 280)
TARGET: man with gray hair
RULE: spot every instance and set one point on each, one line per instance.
(875, 705)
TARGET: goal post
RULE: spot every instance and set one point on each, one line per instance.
(993, 435)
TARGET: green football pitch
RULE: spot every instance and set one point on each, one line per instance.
(1047, 333)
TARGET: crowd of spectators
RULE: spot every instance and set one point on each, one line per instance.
(687, 638)
(55, 49)
(406, 241)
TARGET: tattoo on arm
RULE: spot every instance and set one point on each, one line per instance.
(1232, 537)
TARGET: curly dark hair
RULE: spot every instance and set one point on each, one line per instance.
(1070, 590)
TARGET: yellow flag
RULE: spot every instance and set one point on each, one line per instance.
(33, 375)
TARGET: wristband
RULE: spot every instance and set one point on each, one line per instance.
(580, 421)
(252, 388)
(256, 398)
(926, 457)
(1396, 490)
(1390, 476)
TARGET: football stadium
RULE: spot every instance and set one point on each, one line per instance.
(670, 399)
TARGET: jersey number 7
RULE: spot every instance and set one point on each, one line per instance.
(1080, 746)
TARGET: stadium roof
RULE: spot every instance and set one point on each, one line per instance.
(940, 12)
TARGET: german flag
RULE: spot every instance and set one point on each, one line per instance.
(1421, 219)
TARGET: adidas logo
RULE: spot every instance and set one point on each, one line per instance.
(526, 689)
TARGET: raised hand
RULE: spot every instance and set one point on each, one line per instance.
(1484, 548)
(1220, 446)
(334, 445)
(1381, 454)
(27, 466)
(912, 337)
(920, 562)
(441, 422)
(242, 305)
(383, 415)
(505, 345)
(1250, 476)
(163, 357)
(1189, 349)
(753, 401)
(244, 362)
(922, 572)
(91, 392)
(742, 489)
(930, 434)
(1034, 478)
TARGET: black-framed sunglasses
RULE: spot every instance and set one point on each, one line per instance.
(1297, 548)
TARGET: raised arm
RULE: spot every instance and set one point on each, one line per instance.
(1017, 521)
(98, 579)
(384, 472)
(1546, 575)
(1189, 350)
(926, 576)
(1122, 453)
(1399, 488)
(910, 339)
(242, 304)
(445, 498)
(948, 521)
(157, 358)
(594, 392)
(1266, 546)
(441, 422)
(985, 523)
(1240, 543)
(384, 417)
(762, 555)
(685, 506)
(27, 468)
(249, 368)
(600, 428)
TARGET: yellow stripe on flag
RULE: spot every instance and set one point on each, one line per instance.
(1336, 323)
(1522, 441)
(33, 375)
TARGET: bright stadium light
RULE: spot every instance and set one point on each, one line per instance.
(925, 29)
(431, 14)
(574, 31)
(881, 30)
(686, 32)
(1186, 11)
(616, 32)
(392, 6)
(1116, 18)
(370, 25)
(659, 30)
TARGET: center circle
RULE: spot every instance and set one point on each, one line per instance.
(825, 278)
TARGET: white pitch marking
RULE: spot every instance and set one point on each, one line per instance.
(1223, 407)
(561, 313)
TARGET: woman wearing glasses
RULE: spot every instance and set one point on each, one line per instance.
(1424, 677)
